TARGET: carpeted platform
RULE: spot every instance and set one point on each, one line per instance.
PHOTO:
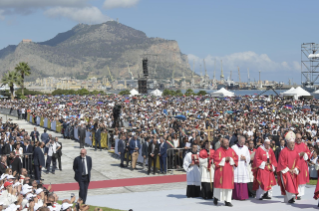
(122, 182)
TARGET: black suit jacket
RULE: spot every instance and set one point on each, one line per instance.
(29, 150)
(155, 150)
(38, 156)
(35, 135)
(82, 133)
(78, 167)
(7, 149)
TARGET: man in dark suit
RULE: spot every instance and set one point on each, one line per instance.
(38, 159)
(162, 155)
(45, 137)
(278, 150)
(9, 147)
(121, 147)
(27, 149)
(145, 151)
(15, 162)
(97, 132)
(153, 152)
(82, 166)
(35, 135)
(82, 134)
(59, 153)
(135, 147)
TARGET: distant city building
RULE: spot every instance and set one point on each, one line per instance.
(26, 41)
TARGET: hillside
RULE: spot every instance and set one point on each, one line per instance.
(87, 50)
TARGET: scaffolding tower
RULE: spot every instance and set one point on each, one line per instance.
(309, 64)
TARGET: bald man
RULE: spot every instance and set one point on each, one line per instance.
(82, 166)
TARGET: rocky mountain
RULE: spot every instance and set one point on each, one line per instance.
(89, 50)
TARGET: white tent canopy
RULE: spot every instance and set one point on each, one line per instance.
(298, 92)
(157, 93)
(223, 93)
(134, 92)
(316, 92)
(286, 93)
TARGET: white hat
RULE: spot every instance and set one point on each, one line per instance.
(29, 196)
(26, 186)
(16, 184)
(38, 191)
(37, 206)
(25, 191)
(10, 177)
(290, 136)
(66, 206)
(1, 203)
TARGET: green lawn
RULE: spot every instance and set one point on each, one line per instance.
(312, 182)
(93, 207)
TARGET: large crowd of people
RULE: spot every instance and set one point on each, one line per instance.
(22, 161)
(174, 130)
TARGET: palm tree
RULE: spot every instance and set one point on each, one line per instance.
(11, 78)
(24, 70)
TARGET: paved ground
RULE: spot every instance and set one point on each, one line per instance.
(105, 167)
(172, 200)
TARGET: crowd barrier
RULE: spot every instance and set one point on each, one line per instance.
(57, 127)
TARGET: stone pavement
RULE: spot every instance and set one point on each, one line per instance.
(105, 166)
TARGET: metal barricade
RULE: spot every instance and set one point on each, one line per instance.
(175, 158)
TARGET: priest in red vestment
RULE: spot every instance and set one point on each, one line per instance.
(225, 159)
(288, 169)
(263, 167)
(304, 155)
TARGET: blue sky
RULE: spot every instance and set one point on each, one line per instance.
(260, 35)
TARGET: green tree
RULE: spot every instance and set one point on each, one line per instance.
(202, 92)
(24, 70)
(83, 92)
(167, 92)
(11, 78)
(125, 92)
(189, 92)
(178, 92)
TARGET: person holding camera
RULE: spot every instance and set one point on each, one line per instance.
(52, 146)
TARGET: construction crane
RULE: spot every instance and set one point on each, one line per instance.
(239, 79)
(214, 76)
(205, 68)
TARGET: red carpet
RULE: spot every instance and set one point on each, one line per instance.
(122, 182)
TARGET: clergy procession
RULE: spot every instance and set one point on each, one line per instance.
(240, 171)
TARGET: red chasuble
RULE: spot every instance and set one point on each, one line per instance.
(288, 158)
(224, 175)
(264, 178)
(316, 196)
(303, 176)
(203, 154)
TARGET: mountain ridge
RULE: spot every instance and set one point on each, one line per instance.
(89, 50)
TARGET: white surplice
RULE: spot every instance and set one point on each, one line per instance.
(193, 172)
(241, 174)
(205, 175)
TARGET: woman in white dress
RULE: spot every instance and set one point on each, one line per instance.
(19, 150)
(312, 164)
